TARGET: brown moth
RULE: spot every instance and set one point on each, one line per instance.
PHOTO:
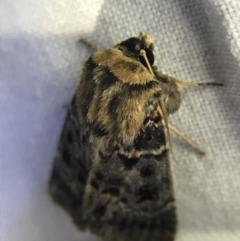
(112, 171)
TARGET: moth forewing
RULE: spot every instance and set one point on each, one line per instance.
(112, 170)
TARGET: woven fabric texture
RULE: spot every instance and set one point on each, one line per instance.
(41, 60)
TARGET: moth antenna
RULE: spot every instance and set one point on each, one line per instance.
(186, 139)
(143, 54)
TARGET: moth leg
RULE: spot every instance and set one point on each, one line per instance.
(182, 83)
(195, 84)
(186, 139)
(89, 45)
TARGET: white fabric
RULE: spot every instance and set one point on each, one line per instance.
(41, 63)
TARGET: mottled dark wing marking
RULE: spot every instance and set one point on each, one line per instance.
(73, 158)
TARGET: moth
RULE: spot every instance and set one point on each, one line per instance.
(112, 171)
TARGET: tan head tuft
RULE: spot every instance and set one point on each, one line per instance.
(147, 39)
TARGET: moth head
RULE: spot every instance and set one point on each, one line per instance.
(132, 47)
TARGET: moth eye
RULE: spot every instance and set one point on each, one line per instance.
(150, 56)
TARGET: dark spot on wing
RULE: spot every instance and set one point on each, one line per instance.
(157, 94)
(124, 200)
(146, 193)
(99, 176)
(84, 139)
(94, 184)
(66, 156)
(112, 190)
(98, 130)
(70, 137)
(77, 132)
(90, 64)
(142, 224)
(115, 181)
(128, 162)
(81, 178)
(99, 210)
(147, 171)
(152, 137)
(146, 120)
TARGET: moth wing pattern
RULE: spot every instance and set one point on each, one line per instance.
(112, 170)
(69, 173)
